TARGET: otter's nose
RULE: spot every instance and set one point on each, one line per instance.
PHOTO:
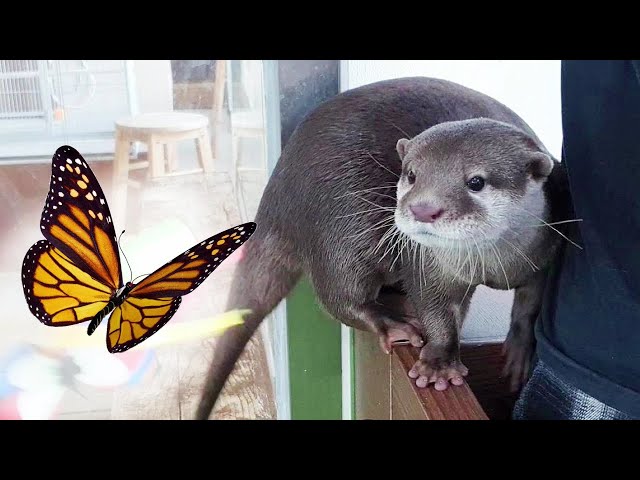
(426, 213)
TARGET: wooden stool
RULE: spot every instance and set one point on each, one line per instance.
(161, 130)
(156, 130)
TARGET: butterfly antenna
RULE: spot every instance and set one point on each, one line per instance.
(125, 257)
(143, 275)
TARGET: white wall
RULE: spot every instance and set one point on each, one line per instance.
(153, 85)
(531, 88)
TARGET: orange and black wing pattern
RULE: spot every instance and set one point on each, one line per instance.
(152, 302)
(76, 218)
(137, 319)
(58, 293)
(70, 276)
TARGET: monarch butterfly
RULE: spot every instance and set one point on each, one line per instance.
(74, 275)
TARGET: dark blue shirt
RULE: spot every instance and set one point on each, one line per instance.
(589, 330)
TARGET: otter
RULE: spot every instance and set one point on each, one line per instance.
(418, 186)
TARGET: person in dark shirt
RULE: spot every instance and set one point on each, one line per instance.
(588, 332)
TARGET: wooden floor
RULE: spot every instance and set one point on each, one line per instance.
(163, 218)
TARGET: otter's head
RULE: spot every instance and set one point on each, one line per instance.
(468, 180)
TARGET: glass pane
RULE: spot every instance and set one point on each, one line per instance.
(179, 148)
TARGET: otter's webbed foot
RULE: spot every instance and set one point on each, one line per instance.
(393, 332)
(439, 366)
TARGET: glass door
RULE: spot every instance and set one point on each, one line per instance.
(167, 141)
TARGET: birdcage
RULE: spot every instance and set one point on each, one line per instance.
(23, 100)
(47, 101)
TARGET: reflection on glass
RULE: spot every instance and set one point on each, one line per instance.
(179, 149)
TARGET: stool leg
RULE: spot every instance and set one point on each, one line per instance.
(235, 176)
(170, 151)
(120, 179)
(121, 157)
(156, 158)
(235, 152)
(203, 144)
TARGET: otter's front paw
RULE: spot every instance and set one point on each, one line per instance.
(398, 333)
(438, 367)
(519, 353)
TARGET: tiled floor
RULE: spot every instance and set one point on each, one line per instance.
(163, 218)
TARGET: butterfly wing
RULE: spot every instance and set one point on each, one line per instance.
(137, 319)
(57, 291)
(153, 301)
(188, 270)
(76, 219)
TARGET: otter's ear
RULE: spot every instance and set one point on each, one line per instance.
(540, 166)
(401, 147)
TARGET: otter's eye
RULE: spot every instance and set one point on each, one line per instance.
(475, 184)
(411, 177)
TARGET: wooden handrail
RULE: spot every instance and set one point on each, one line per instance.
(383, 389)
(457, 403)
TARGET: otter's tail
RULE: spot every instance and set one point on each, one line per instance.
(263, 277)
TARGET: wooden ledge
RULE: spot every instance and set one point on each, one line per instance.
(458, 403)
(383, 390)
